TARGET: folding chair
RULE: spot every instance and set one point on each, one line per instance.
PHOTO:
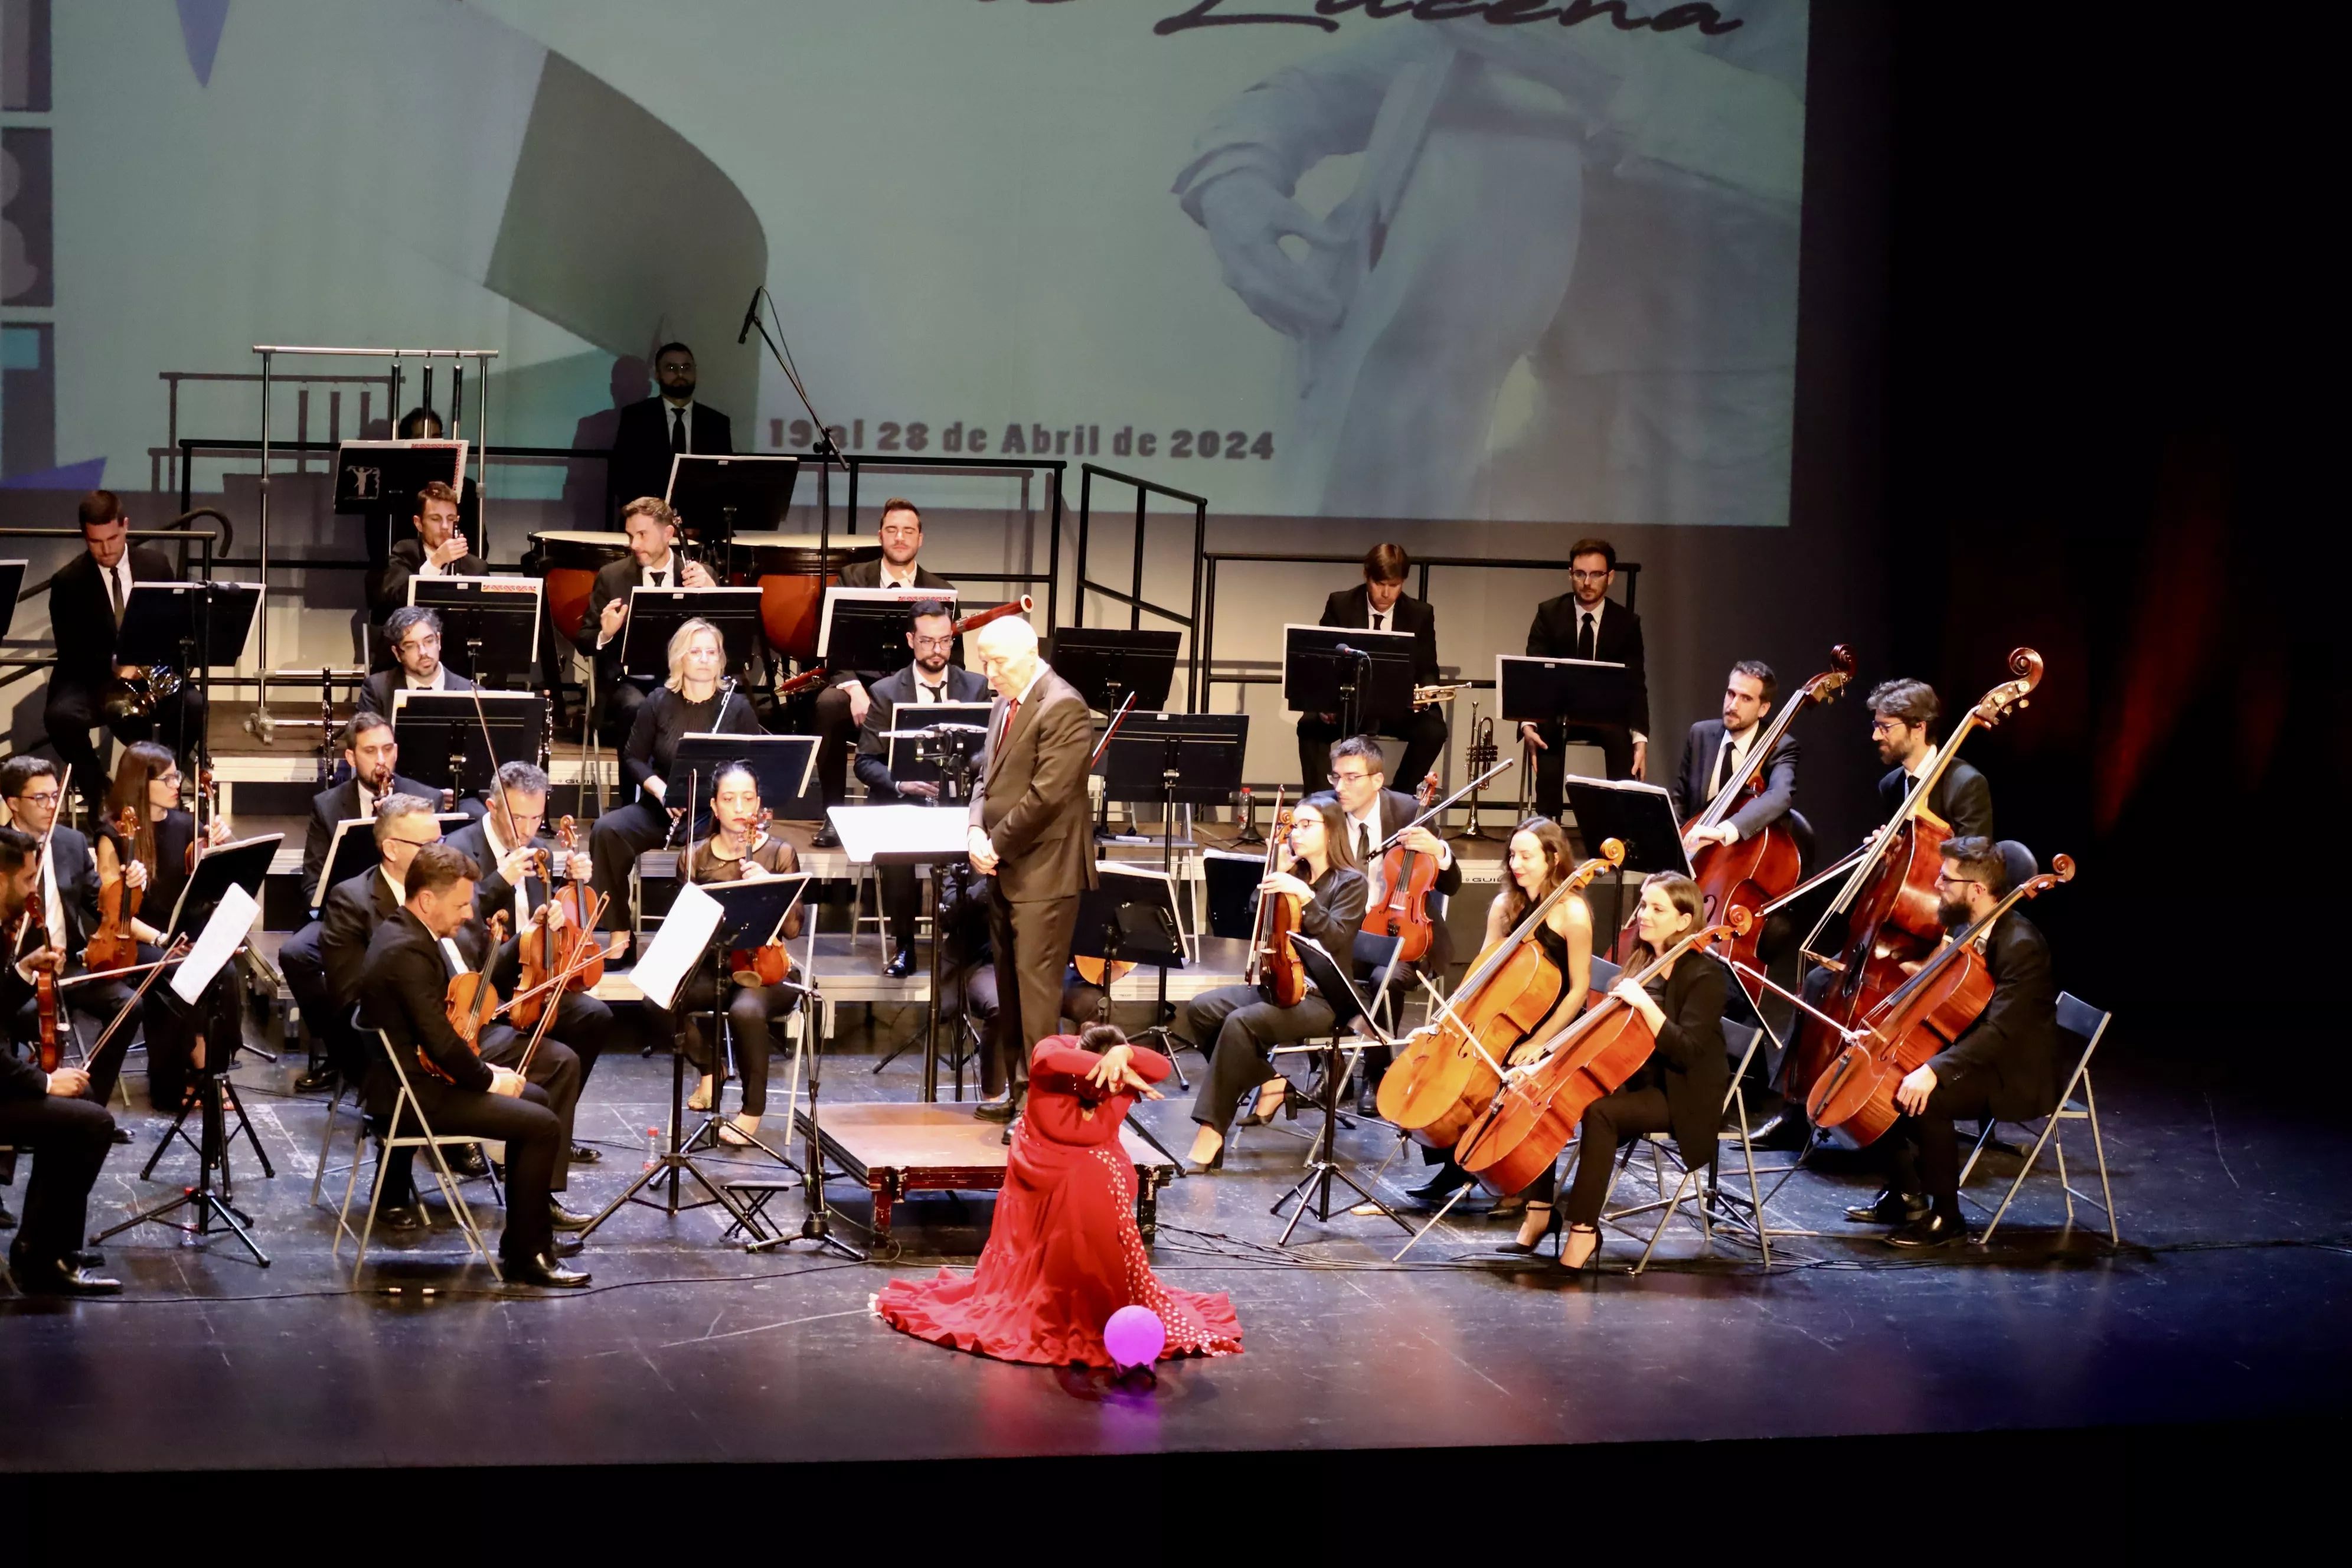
(407, 1110)
(1690, 1187)
(343, 1085)
(2085, 1023)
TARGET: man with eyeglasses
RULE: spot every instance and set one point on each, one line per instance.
(1903, 726)
(660, 428)
(1585, 623)
(1374, 813)
(927, 680)
(413, 635)
(1380, 603)
(30, 793)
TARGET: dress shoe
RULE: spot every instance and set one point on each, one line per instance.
(569, 1246)
(566, 1219)
(1890, 1207)
(1936, 1230)
(586, 1154)
(88, 1257)
(1789, 1135)
(1436, 1190)
(1004, 1107)
(316, 1080)
(400, 1218)
(62, 1278)
(469, 1161)
(826, 839)
(901, 964)
(544, 1272)
(122, 1135)
(7, 1220)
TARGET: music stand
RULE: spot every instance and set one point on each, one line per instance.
(190, 626)
(943, 749)
(488, 623)
(904, 835)
(1364, 676)
(383, 477)
(717, 497)
(656, 614)
(865, 629)
(12, 583)
(785, 766)
(1132, 917)
(353, 850)
(1336, 988)
(1109, 666)
(449, 725)
(1641, 815)
(1561, 691)
(1194, 758)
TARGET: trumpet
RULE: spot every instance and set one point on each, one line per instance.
(135, 696)
(1432, 695)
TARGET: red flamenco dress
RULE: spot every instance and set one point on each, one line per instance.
(1063, 1252)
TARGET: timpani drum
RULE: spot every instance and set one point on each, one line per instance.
(568, 560)
(792, 575)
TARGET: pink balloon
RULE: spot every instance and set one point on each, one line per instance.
(1135, 1336)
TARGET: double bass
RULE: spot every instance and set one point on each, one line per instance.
(1889, 898)
(1521, 1132)
(1448, 1071)
(1927, 1013)
(1272, 965)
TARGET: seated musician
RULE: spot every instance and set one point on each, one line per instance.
(157, 859)
(1375, 813)
(1586, 623)
(842, 706)
(30, 796)
(1716, 755)
(738, 849)
(413, 635)
(1381, 605)
(87, 598)
(654, 562)
(690, 703)
(348, 917)
(927, 680)
(2005, 1065)
(403, 979)
(50, 1114)
(1679, 1089)
(373, 755)
(438, 550)
(1242, 1023)
(1904, 714)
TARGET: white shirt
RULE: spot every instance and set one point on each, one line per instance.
(399, 893)
(455, 959)
(1576, 633)
(53, 908)
(440, 681)
(1370, 822)
(895, 576)
(1381, 618)
(120, 573)
(926, 694)
(1730, 761)
(662, 576)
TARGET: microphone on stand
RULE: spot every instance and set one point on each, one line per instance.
(751, 317)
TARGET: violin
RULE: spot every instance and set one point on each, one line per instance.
(35, 924)
(471, 1002)
(208, 819)
(533, 949)
(1927, 1013)
(1889, 898)
(1273, 966)
(579, 916)
(768, 964)
(1407, 878)
(1520, 1133)
(112, 946)
(1448, 1071)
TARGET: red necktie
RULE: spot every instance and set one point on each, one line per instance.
(1012, 706)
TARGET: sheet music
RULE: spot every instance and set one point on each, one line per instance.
(684, 932)
(233, 920)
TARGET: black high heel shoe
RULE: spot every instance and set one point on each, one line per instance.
(1215, 1162)
(1518, 1248)
(1261, 1114)
(1592, 1260)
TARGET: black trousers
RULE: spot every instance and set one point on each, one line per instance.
(69, 1138)
(613, 846)
(1613, 1118)
(622, 700)
(88, 1008)
(836, 739)
(72, 713)
(538, 1142)
(750, 1011)
(1616, 743)
(1923, 1151)
(1423, 735)
(173, 1030)
(1032, 944)
(1244, 1027)
(897, 890)
(555, 1069)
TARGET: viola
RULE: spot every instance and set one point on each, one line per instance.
(1928, 1013)
(768, 964)
(1448, 1071)
(1521, 1132)
(112, 946)
(1889, 898)
(580, 916)
(1407, 879)
(1272, 965)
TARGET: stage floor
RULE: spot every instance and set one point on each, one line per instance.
(2227, 1303)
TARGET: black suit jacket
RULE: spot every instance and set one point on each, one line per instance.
(869, 574)
(387, 585)
(889, 693)
(1690, 1062)
(1618, 639)
(347, 923)
(19, 1079)
(380, 687)
(617, 580)
(402, 979)
(2015, 1039)
(491, 891)
(81, 616)
(1961, 797)
(641, 449)
(77, 892)
(1352, 607)
(341, 803)
(1699, 752)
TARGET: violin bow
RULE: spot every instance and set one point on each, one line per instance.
(25, 921)
(1446, 804)
(585, 952)
(178, 951)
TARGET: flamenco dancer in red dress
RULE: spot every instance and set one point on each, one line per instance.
(1064, 1254)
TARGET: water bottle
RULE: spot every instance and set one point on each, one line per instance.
(653, 1147)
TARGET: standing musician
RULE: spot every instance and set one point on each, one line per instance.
(738, 849)
(413, 635)
(87, 598)
(2004, 1065)
(439, 549)
(927, 680)
(1032, 835)
(374, 756)
(1583, 622)
(1679, 1089)
(1903, 721)
(842, 707)
(1715, 754)
(50, 1114)
(30, 796)
(1242, 1022)
(405, 977)
(657, 428)
(1381, 605)
(654, 561)
(158, 859)
(690, 703)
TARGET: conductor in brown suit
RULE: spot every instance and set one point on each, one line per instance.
(1031, 833)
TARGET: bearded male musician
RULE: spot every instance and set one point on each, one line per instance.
(439, 549)
(403, 979)
(654, 561)
(1381, 604)
(87, 598)
(413, 635)
(374, 756)
(843, 706)
(1716, 752)
(1902, 719)
(1585, 623)
(47, 1113)
(2005, 1065)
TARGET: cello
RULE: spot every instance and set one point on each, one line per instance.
(1274, 967)
(1521, 1132)
(1448, 1071)
(1927, 1013)
(1889, 897)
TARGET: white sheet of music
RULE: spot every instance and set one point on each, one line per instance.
(232, 922)
(684, 932)
(925, 830)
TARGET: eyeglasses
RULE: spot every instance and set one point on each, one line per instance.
(412, 843)
(412, 645)
(947, 641)
(1599, 576)
(1944, 882)
(1347, 778)
(1887, 726)
(42, 797)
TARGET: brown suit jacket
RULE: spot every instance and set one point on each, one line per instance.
(1031, 800)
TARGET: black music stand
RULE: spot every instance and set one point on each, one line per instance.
(656, 614)
(1640, 815)
(1364, 676)
(190, 626)
(12, 583)
(383, 477)
(489, 625)
(353, 850)
(1194, 759)
(785, 766)
(1107, 665)
(1337, 988)
(1132, 917)
(752, 914)
(866, 628)
(717, 497)
(468, 739)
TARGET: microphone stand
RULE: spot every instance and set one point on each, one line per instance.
(822, 447)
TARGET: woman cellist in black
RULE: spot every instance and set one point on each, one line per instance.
(157, 859)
